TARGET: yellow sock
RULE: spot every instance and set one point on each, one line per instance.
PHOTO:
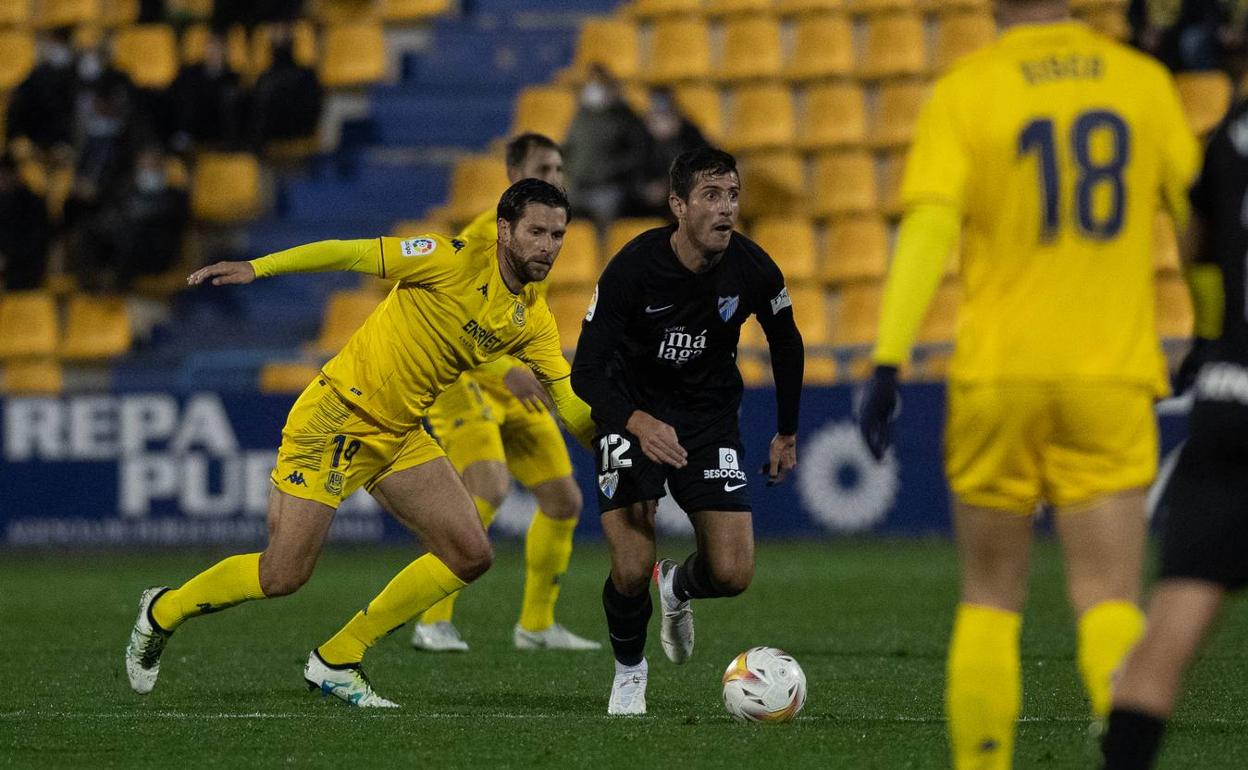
(409, 593)
(547, 551)
(443, 610)
(984, 689)
(1107, 632)
(228, 582)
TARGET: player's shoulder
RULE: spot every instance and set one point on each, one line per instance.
(424, 245)
(635, 255)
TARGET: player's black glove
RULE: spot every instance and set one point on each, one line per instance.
(1196, 356)
(875, 414)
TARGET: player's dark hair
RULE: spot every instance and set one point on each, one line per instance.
(526, 191)
(518, 149)
(703, 160)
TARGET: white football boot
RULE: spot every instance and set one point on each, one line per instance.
(556, 637)
(628, 690)
(147, 642)
(438, 637)
(676, 630)
(347, 683)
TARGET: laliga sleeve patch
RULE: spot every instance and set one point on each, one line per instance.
(593, 305)
(418, 247)
(781, 301)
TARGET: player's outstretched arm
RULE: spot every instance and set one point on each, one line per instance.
(223, 274)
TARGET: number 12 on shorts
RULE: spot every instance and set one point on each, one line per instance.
(614, 446)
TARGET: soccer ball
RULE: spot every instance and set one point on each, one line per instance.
(764, 684)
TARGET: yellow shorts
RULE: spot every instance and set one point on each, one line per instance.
(331, 448)
(1010, 446)
(475, 424)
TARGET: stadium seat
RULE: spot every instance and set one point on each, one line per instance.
(959, 33)
(28, 324)
(897, 109)
(791, 242)
(823, 47)
(930, 366)
(354, 55)
(67, 13)
(96, 328)
(413, 10)
(1174, 308)
(762, 118)
(772, 183)
(811, 314)
(193, 45)
(1206, 97)
(17, 57)
(844, 183)
(611, 42)
(287, 376)
(569, 307)
(940, 323)
(878, 7)
(701, 104)
(345, 311)
(856, 312)
(1165, 245)
(579, 262)
(545, 110)
(148, 53)
(15, 13)
(894, 47)
(476, 184)
(751, 48)
(893, 168)
(1110, 21)
(119, 13)
(652, 8)
(226, 187)
(752, 359)
(730, 7)
(680, 50)
(260, 56)
(833, 115)
(40, 377)
(857, 249)
(343, 11)
(621, 231)
(238, 50)
(798, 7)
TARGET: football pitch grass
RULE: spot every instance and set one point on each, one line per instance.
(868, 620)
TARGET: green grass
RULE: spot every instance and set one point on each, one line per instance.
(868, 621)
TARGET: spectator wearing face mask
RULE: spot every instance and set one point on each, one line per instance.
(24, 231)
(286, 100)
(42, 107)
(671, 135)
(153, 218)
(206, 103)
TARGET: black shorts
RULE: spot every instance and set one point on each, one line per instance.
(714, 479)
(1205, 536)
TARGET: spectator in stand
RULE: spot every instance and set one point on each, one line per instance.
(249, 13)
(671, 134)
(24, 231)
(42, 108)
(286, 100)
(153, 219)
(1190, 34)
(607, 150)
(206, 103)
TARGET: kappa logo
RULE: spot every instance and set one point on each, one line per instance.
(485, 290)
(333, 484)
(457, 244)
(418, 247)
(728, 307)
(608, 482)
(295, 477)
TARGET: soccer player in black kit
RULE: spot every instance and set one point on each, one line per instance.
(1205, 538)
(656, 362)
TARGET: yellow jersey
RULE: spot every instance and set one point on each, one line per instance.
(1056, 146)
(449, 312)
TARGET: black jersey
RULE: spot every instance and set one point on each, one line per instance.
(1220, 197)
(663, 339)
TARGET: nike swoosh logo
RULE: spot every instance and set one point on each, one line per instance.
(650, 309)
(732, 487)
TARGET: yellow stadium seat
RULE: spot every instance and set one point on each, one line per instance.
(17, 57)
(680, 50)
(544, 110)
(39, 377)
(961, 32)
(67, 13)
(410, 228)
(791, 242)
(345, 311)
(354, 55)
(823, 47)
(1206, 97)
(579, 262)
(238, 50)
(15, 13)
(569, 306)
(303, 39)
(651, 8)
(856, 313)
(343, 11)
(28, 324)
(731, 7)
(811, 314)
(1174, 308)
(611, 42)
(762, 118)
(414, 10)
(895, 47)
(1110, 21)
(798, 7)
(892, 169)
(897, 109)
(225, 188)
(1165, 245)
(878, 7)
(940, 323)
(287, 376)
(772, 183)
(148, 53)
(751, 48)
(621, 231)
(844, 183)
(95, 328)
(833, 115)
(857, 249)
(930, 366)
(476, 183)
(193, 45)
(701, 104)
(119, 13)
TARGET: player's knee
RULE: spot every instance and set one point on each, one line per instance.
(631, 580)
(282, 582)
(565, 505)
(733, 578)
(471, 559)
